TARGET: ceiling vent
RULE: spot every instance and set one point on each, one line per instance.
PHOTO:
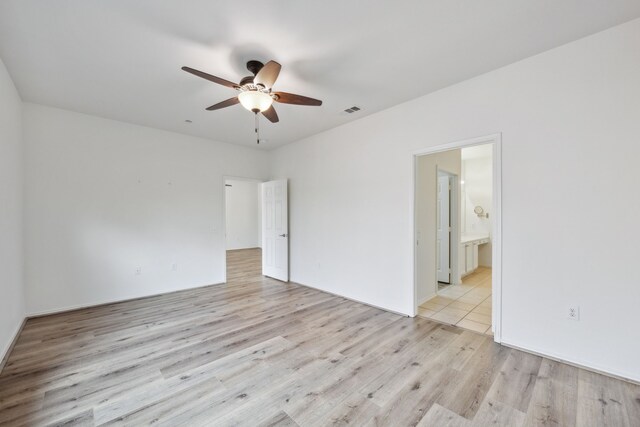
(352, 110)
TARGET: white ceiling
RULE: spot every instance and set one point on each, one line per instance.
(121, 59)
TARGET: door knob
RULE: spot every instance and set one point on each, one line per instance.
(283, 235)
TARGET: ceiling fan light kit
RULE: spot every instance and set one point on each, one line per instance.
(255, 91)
(255, 100)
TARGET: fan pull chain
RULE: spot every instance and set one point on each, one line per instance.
(257, 129)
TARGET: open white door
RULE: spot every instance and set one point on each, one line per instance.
(275, 230)
(443, 238)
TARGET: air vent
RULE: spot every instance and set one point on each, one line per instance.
(352, 110)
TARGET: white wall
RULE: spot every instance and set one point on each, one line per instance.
(570, 123)
(243, 214)
(477, 190)
(426, 218)
(12, 307)
(104, 198)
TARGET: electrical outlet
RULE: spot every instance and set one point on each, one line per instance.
(138, 271)
(174, 267)
(574, 312)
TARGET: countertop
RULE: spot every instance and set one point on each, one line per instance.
(466, 238)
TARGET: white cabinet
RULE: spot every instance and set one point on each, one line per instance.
(468, 258)
(462, 260)
(469, 254)
(475, 254)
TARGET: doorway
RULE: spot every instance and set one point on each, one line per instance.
(256, 225)
(242, 222)
(456, 244)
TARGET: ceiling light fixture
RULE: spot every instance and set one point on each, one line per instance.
(255, 100)
(255, 92)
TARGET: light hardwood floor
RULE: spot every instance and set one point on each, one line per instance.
(258, 352)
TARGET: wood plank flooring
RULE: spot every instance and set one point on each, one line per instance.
(258, 352)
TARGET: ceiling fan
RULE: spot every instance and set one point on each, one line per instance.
(255, 91)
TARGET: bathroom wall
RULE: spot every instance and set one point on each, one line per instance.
(477, 190)
(426, 215)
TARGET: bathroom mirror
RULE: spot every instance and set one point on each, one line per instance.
(480, 212)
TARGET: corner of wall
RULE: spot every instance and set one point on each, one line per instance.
(12, 190)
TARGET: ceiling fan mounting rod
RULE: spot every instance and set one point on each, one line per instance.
(254, 66)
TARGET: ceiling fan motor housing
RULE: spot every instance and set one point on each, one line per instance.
(246, 81)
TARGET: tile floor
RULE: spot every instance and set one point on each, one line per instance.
(467, 305)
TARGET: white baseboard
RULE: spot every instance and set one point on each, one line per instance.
(427, 298)
(93, 305)
(624, 376)
(620, 375)
(352, 299)
(6, 351)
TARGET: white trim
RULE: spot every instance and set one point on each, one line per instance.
(83, 306)
(425, 299)
(347, 298)
(224, 228)
(7, 351)
(496, 241)
(241, 178)
(620, 375)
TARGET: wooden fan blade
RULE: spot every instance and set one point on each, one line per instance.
(271, 114)
(292, 98)
(268, 74)
(211, 78)
(228, 103)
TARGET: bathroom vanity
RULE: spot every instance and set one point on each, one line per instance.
(468, 258)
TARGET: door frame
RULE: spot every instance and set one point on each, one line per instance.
(224, 214)
(496, 238)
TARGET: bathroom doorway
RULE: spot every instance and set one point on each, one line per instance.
(456, 229)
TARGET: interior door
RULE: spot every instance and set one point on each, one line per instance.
(275, 230)
(443, 236)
